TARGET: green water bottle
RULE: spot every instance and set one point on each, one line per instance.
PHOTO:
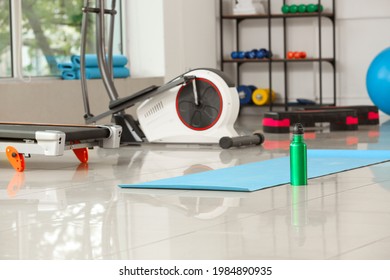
(298, 157)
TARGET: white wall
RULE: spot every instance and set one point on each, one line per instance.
(167, 38)
(191, 35)
(144, 28)
(362, 33)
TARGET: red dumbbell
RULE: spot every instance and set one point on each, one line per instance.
(296, 55)
(290, 55)
(302, 55)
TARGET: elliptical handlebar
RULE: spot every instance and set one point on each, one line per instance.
(104, 59)
(84, 86)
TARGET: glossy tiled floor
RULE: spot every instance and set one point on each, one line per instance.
(59, 210)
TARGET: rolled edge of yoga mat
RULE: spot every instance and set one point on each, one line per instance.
(91, 60)
(94, 73)
(69, 75)
(65, 66)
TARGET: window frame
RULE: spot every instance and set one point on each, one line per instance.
(16, 43)
(10, 43)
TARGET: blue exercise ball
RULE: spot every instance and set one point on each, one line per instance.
(378, 81)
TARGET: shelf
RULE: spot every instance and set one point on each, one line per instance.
(269, 24)
(291, 104)
(265, 16)
(266, 60)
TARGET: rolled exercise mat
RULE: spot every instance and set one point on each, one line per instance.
(69, 75)
(91, 60)
(94, 73)
(65, 66)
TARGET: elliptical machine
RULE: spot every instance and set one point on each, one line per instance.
(199, 106)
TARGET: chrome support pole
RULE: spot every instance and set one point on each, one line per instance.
(101, 52)
(111, 39)
(84, 87)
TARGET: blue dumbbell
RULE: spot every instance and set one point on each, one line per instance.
(241, 55)
(245, 94)
(261, 53)
(250, 54)
(234, 55)
(269, 54)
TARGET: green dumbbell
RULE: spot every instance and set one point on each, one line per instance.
(285, 9)
(311, 8)
(293, 9)
(302, 8)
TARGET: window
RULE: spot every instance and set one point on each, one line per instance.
(5, 40)
(49, 34)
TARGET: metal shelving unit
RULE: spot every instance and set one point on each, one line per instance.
(285, 17)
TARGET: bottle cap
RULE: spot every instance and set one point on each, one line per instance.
(298, 129)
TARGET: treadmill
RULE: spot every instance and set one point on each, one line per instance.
(20, 140)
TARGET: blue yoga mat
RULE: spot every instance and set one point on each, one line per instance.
(66, 66)
(92, 61)
(94, 73)
(68, 75)
(269, 173)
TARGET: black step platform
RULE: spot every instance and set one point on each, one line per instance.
(339, 119)
(367, 114)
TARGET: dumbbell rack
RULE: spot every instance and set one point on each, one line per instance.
(268, 16)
